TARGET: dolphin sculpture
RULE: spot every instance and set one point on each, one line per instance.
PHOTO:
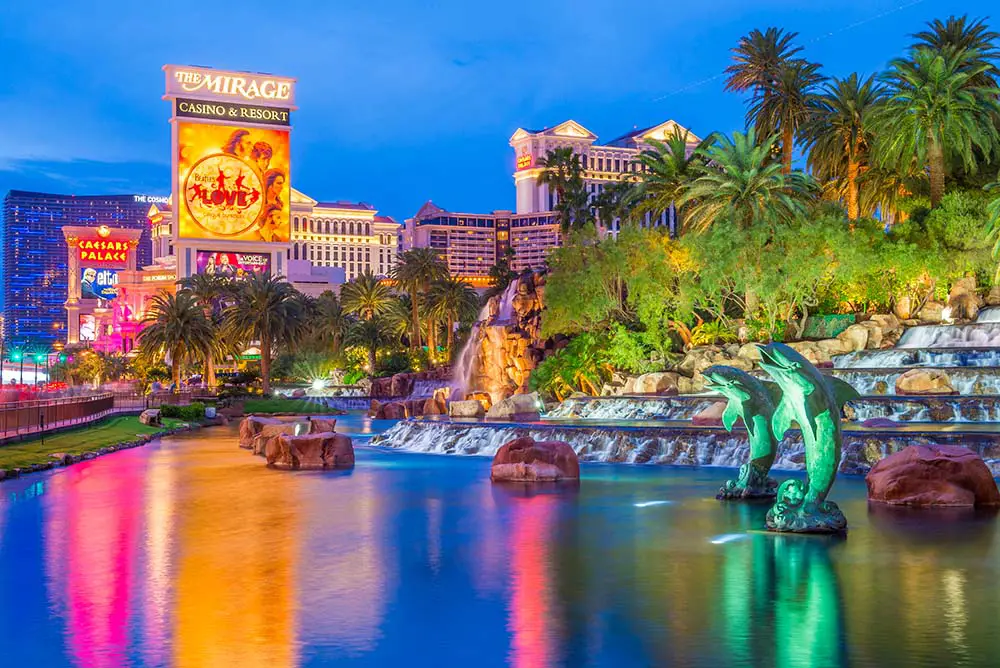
(814, 402)
(751, 400)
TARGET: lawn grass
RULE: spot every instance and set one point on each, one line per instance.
(77, 441)
(300, 406)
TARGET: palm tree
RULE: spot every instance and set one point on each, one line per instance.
(563, 173)
(452, 299)
(329, 322)
(397, 316)
(840, 133)
(209, 290)
(176, 326)
(973, 37)
(667, 169)
(931, 111)
(741, 184)
(787, 106)
(370, 334)
(366, 296)
(414, 271)
(269, 310)
(781, 84)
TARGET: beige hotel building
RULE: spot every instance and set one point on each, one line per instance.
(471, 243)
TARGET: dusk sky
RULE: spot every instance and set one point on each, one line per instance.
(400, 102)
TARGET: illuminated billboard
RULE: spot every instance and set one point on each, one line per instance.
(236, 265)
(233, 182)
(98, 283)
(103, 251)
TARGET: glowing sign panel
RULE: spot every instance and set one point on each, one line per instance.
(524, 161)
(98, 283)
(103, 251)
(216, 84)
(236, 265)
(233, 182)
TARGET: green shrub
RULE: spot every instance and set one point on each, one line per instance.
(191, 413)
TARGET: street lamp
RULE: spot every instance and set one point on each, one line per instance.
(18, 356)
(39, 358)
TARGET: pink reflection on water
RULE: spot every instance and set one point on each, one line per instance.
(91, 539)
(532, 616)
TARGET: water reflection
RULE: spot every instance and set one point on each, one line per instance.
(238, 535)
(194, 554)
(92, 532)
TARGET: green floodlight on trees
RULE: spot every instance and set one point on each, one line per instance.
(62, 358)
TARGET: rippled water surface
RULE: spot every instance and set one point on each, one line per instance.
(192, 553)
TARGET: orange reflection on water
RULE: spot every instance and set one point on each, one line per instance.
(238, 534)
(92, 531)
(532, 616)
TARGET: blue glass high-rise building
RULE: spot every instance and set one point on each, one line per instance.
(33, 271)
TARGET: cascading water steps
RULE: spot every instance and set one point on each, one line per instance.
(658, 429)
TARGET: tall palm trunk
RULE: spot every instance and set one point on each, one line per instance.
(451, 335)
(431, 339)
(210, 370)
(935, 164)
(265, 363)
(787, 142)
(175, 369)
(853, 210)
(415, 312)
(371, 361)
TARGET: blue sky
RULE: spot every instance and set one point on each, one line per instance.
(400, 102)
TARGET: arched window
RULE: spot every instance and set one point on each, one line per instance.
(327, 226)
(368, 229)
(296, 245)
(295, 223)
(351, 227)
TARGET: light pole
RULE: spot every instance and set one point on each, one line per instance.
(18, 356)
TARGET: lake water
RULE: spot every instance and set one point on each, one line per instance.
(192, 553)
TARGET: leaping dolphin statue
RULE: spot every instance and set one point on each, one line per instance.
(814, 402)
(751, 400)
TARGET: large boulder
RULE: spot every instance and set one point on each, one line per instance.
(963, 300)
(516, 407)
(434, 406)
(401, 385)
(270, 433)
(931, 312)
(933, 475)
(663, 383)
(924, 381)
(321, 425)
(855, 336)
(875, 334)
(251, 426)
(322, 450)
(888, 322)
(466, 409)
(151, 417)
(527, 460)
(393, 410)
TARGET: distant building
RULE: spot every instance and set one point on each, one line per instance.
(472, 242)
(603, 164)
(34, 267)
(348, 235)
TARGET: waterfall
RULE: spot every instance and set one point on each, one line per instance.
(666, 445)
(979, 335)
(631, 408)
(966, 380)
(465, 368)
(990, 314)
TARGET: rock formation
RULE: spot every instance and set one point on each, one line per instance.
(933, 475)
(527, 460)
(323, 450)
(924, 381)
(522, 407)
(251, 426)
(506, 345)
